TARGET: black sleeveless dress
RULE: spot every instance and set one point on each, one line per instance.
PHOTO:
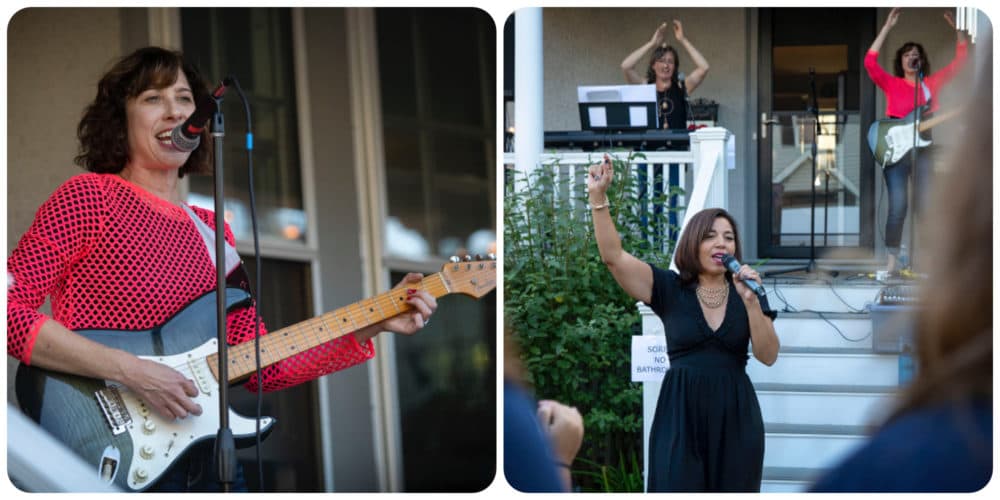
(672, 107)
(707, 433)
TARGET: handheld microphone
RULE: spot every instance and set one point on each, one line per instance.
(680, 79)
(734, 266)
(187, 136)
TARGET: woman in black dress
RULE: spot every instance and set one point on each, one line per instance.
(707, 433)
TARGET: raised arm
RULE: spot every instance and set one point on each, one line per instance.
(959, 34)
(890, 21)
(697, 75)
(639, 54)
(632, 274)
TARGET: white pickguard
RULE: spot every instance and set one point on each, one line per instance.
(899, 140)
(158, 442)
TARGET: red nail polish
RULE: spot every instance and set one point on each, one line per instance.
(411, 291)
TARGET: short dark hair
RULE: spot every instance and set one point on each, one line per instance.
(897, 62)
(686, 257)
(657, 54)
(103, 129)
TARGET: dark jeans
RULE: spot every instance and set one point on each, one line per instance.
(897, 179)
(196, 472)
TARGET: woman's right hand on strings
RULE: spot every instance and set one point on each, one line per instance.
(599, 177)
(161, 387)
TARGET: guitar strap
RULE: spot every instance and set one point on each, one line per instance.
(208, 237)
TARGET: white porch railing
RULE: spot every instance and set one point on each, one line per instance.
(702, 175)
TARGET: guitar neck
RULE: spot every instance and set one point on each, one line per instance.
(936, 120)
(293, 340)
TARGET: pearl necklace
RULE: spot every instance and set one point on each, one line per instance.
(712, 298)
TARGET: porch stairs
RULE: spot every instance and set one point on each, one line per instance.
(828, 385)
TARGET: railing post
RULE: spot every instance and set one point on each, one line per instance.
(651, 325)
(711, 177)
(528, 90)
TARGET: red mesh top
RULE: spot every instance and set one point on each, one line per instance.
(113, 256)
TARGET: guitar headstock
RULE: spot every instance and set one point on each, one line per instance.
(473, 276)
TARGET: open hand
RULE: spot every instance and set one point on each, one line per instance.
(660, 35)
(678, 31)
(893, 18)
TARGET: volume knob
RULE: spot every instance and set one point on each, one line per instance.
(146, 452)
(140, 475)
(148, 427)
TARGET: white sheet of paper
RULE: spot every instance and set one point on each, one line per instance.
(649, 358)
(637, 116)
(598, 116)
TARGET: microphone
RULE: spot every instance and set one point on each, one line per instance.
(187, 136)
(680, 79)
(734, 266)
(915, 64)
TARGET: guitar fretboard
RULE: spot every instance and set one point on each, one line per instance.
(300, 337)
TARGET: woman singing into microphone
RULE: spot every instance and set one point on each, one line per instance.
(707, 433)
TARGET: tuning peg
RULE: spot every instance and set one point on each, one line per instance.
(491, 256)
(468, 258)
(454, 259)
(479, 256)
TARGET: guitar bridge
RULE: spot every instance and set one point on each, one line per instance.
(113, 407)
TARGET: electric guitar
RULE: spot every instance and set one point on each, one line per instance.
(131, 446)
(890, 139)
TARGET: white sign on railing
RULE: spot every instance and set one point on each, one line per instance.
(649, 358)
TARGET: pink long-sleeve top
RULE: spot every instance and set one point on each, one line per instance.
(110, 255)
(899, 91)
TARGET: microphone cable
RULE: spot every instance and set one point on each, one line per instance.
(257, 279)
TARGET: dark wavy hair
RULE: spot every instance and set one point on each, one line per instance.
(897, 62)
(686, 257)
(103, 129)
(658, 53)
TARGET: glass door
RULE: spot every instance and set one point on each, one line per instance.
(816, 183)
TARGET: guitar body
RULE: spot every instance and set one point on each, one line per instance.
(105, 424)
(891, 139)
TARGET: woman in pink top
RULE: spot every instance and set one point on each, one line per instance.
(118, 249)
(909, 64)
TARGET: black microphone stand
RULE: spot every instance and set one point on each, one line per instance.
(225, 445)
(912, 193)
(813, 109)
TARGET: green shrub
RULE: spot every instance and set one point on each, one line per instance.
(572, 321)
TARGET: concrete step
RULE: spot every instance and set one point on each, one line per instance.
(817, 296)
(824, 405)
(828, 367)
(788, 479)
(800, 447)
(837, 330)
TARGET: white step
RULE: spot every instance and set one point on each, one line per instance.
(811, 330)
(827, 368)
(820, 297)
(785, 480)
(828, 405)
(769, 486)
(808, 450)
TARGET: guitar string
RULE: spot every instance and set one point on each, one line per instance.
(432, 288)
